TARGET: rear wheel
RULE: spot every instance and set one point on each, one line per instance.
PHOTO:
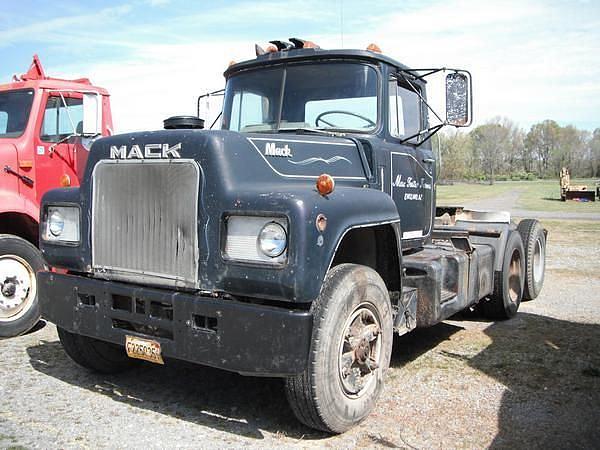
(534, 242)
(93, 354)
(350, 351)
(508, 284)
(19, 263)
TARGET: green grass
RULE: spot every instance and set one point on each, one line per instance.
(459, 193)
(572, 232)
(540, 195)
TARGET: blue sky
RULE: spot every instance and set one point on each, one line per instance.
(531, 60)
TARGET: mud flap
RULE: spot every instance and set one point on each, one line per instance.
(405, 308)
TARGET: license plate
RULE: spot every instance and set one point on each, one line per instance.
(145, 349)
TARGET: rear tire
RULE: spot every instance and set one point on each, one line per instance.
(534, 242)
(93, 354)
(350, 351)
(508, 284)
(19, 263)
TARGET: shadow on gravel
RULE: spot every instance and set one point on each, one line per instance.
(205, 396)
(550, 367)
(551, 370)
(37, 327)
(412, 345)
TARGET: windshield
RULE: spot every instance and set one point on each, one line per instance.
(14, 112)
(330, 96)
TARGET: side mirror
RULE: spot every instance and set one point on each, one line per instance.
(459, 103)
(92, 115)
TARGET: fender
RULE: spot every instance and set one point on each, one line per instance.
(14, 203)
(310, 252)
(352, 208)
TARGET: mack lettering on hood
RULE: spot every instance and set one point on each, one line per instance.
(148, 151)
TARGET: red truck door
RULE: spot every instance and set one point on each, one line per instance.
(15, 106)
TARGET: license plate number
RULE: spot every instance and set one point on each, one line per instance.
(145, 349)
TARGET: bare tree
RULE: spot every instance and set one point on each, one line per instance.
(491, 141)
(543, 140)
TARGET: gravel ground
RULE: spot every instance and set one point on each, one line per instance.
(532, 382)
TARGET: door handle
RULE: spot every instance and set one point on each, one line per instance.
(428, 160)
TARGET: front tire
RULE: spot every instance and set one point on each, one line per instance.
(19, 263)
(350, 351)
(93, 354)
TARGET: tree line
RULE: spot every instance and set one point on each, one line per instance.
(501, 150)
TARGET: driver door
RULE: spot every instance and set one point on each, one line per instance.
(412, 166)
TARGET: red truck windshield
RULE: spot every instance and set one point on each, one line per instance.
(14, 112)
(330, 96)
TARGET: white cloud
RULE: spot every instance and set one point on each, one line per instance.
(53, 29)
(165, 80)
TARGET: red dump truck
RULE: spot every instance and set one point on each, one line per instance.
(46, 126)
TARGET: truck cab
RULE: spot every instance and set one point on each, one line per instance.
(291, 242)
(43, 145)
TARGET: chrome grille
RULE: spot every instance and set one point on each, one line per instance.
(144, 221)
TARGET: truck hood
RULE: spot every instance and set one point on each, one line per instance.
(242, 155)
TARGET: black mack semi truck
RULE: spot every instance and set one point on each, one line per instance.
(292, 242)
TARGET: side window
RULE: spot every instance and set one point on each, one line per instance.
(60, 121)
(405, 111)
(248, 111)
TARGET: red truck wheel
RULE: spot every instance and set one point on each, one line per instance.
(19, 263)
(350, 351)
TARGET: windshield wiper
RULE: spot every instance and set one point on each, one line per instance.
(314, 131)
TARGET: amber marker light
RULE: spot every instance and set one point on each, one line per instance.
(374, 48)
(325, 184)
(321, 222)
(65, 180)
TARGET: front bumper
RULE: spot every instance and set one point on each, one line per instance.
(241, 337)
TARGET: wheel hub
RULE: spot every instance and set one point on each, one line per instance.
(9, 287)
(359, 351)
(17, 286)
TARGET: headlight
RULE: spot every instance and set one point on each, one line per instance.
(272, 240)
(56, 224)
(256, 239)
(61, 224)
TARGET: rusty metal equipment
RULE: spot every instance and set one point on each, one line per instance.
(579, 193)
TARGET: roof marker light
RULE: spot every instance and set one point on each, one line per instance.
(374, 48)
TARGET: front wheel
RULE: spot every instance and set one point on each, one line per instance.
(93, 354)
(350, 351)
(19, 263)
